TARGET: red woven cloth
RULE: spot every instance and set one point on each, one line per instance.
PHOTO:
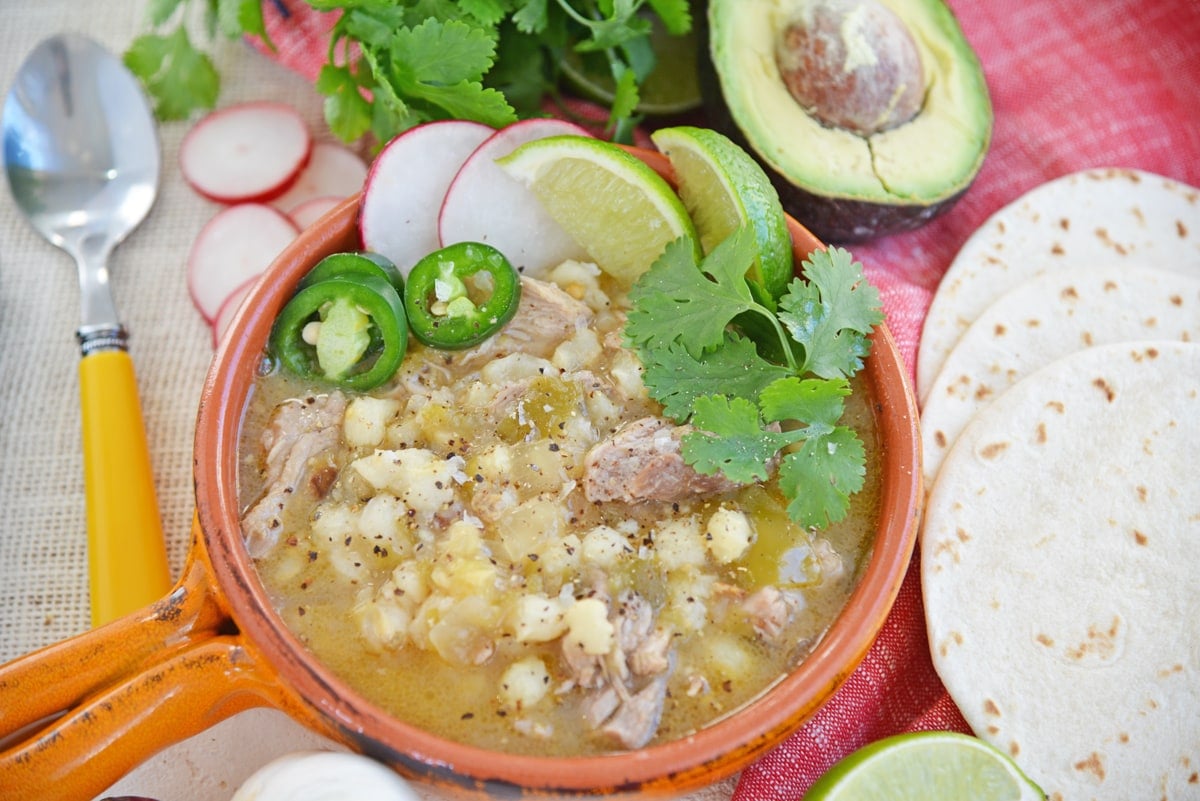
(1075, 84)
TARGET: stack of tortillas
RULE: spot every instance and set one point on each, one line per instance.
(1060, 381)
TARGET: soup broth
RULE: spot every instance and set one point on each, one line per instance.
(502, 545)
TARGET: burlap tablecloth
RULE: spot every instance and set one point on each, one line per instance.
(1076, 84)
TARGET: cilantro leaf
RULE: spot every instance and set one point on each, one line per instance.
(346, 110)
(676, 379)
(729, 438)
(531, 16)
(821, 476)
(178, 77)
(674, 296)
(675, 14)
(442, 53)
(831, 314)
(815, 401)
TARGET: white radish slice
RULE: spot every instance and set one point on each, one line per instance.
(312, 210)
(485, 204)
(249, 152)
(237, 244)
(406, 184)
(333, 170)
(229, 307)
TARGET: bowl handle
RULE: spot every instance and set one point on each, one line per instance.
(77, 715)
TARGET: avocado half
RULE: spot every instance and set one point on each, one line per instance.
(847, 177)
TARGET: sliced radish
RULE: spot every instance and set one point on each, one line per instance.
(229, 307)
(484, 204)
(333, 170)
(249, 152)
(406, 184)
(312, 210)
(237, 244)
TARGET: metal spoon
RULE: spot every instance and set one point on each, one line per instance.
(82, 158)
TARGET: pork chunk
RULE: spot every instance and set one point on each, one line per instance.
(643, 461)
(300, 431)
(545, 317)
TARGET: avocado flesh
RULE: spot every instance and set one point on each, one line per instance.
(843, 186)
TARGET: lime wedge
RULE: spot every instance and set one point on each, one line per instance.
(723, 189)
(672, 87)
(927, 766)
(618, 209)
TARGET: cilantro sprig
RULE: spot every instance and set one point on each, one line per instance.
(393, 64)
(701, 334)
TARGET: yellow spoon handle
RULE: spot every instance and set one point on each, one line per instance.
(127, 561)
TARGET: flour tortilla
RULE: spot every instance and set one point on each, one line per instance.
(1094, 218)
(1058, 566)
(1046, 318)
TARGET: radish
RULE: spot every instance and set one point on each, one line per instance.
(333, 170)
(229, 307)
(249, 152)
(406, 184)
(484, 204)
(312, 210)
(237, 244)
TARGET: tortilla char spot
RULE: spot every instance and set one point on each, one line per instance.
(1057, 249)
(1065, 224)
(1150, 322)
(1194, 778)
(983, 392)
(1181, 229)
(993, 450)
(1109, 393)
(1044, 639)
(1001, 227)
(993, 730)
(1070, 293)
(1094, 765)
(950, 547)
(999, 330)
(1143, 493)
(1014, 749)
(1033, 323)
(1173, 669)
(1099, 645)
(1110, 286)
(1175, 300)
(990, 707)
(1057, 406)
(1041, 434)
(1139, 537)
(956, 638)
(1123, 737)
(939, 438)
(1087, 338)
(962, 534)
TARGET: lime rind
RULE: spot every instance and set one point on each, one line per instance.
(926, 766)
(723, 188)
(617, 208)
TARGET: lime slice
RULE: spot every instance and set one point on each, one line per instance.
(928, 766)
(618, 209)
(672, 87)
(723, 188)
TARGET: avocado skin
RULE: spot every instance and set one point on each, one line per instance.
(833, 220)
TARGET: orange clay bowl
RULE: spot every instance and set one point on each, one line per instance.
(76, 716)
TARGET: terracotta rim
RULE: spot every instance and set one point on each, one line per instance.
(693, 761)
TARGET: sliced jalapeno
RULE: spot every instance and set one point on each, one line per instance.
(348, 329)
(460, 295)
(358, 263)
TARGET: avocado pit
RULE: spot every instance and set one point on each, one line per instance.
(852, 64)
